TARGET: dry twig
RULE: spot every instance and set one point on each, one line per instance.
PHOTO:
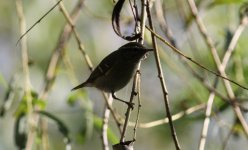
(161, 78)
(218, 63)
(24, 49)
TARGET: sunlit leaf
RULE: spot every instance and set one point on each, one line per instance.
(41, 103)
(22, 107)
(111, 135)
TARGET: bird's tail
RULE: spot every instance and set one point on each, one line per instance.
(80, 86)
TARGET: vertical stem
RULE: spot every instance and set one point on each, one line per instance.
(53, 64)
(128, 112)
(137, 75)
(232, 44)
(143, 20)
(24, 49)
(225, 60)
(138, 111)
(161, 78)
(105, 121)
(207, 117)
(218, 63)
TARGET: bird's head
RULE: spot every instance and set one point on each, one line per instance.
(134, 51)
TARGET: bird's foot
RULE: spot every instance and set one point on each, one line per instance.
(130, 105)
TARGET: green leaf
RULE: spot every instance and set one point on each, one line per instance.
(111, 135)
(61, 126)
(20, 137)
(3, 81)
(39, 102)
(75, 96)
(22, 107)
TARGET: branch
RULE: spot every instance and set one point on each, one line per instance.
(53, 64)
(225, 60)
(161, 78)
(207, 117)
(174, 117)
(24, 52)
(25, 33)
(218, 63)
(138, 111)
(192, 60)
(137, 74)
(105, 120)
(232, 44)
(90, 66)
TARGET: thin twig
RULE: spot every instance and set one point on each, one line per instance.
(105, 121)
(210, 88)
(226, 58)
(211, 45)
(108, 100)
(162, 81)
(192, 60)
(218, 63)
(137, 74)
(192, 71)
(24, 50)
(82, 50)
(207, 117)
(106, 113)
(138, 110)
(75, 33)
(232, 44)
(166, 120)
(128, 112)
(24, 33)
(53, 64)
(163, 23)
(86, 57)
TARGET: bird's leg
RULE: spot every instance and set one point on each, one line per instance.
(128, 103)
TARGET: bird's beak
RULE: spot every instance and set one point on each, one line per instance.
(148, 50)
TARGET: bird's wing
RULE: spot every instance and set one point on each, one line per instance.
(105, 65)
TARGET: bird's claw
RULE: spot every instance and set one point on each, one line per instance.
(130, 105)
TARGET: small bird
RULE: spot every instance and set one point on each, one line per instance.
(115, 71)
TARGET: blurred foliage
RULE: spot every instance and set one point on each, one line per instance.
(20, 136)
(36, 102)
(61, 126)
(75, 97)
(3, 81)
(225, 2)
(111, 135)
(84, 107)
